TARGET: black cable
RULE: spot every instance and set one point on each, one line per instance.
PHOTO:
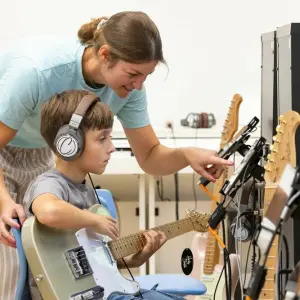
(225, 270)
(160, 190)
(229, 271)
(285, 271)
(176, 182)
(230, 248)
(176, 195)
(131, 275)
(226, 262)
(287, 257)
(94, 188)
(122, 257)
(246, 266)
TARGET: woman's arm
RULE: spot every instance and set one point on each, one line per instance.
(19, 90)
(156, 159)
(6, 135)
(8, 208)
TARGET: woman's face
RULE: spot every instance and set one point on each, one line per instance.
(122, 76)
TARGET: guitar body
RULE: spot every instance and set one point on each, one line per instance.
(46, 249)
(69, 264)
(210, 280)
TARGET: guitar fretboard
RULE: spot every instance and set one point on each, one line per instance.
(136, 242)
(268, 290)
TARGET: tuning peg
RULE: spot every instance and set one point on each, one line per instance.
(275, 139)
(272, 148)
(279, 129)
(281, 119)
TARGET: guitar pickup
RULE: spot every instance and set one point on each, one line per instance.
(78, 263)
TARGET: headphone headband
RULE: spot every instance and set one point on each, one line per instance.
(81, 109)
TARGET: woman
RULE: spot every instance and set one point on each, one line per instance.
(112, 58)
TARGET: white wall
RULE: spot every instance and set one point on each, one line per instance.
(212, 47)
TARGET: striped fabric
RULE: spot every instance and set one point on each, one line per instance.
(20, 167)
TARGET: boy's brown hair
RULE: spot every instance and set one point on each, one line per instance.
(58, 110)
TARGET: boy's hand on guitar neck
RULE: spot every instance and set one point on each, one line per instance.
(154, 240)
(106, 225)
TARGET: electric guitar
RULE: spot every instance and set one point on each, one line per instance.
(78, 265)
(283, 151)
(205, 247)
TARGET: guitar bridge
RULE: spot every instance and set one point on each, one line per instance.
(78, 262)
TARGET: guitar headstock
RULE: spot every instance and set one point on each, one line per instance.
(198, 219)
(283, 149)
(232, 121)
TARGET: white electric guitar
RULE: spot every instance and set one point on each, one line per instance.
(78, 265)
(205, 247)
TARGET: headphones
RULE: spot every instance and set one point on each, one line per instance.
(199, 120)
(70, 139)
(245, 228)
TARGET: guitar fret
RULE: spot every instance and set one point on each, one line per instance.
(133, 243)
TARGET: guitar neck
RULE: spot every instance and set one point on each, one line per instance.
(268, 290)
(136, 242)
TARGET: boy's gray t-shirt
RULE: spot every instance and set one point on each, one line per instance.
(53, 182)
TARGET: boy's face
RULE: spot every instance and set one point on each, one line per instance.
(97, 151)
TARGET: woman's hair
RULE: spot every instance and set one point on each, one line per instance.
(58, 111)
(131, 36)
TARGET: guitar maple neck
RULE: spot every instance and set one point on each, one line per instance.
(268, 290)
(136, 242)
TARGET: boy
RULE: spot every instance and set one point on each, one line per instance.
(80, 137)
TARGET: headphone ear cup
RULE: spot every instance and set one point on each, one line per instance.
(68, 143)
(242, 229)
(81, 140)
(211, 120)
(205, 120)
(233, 227)
(247, 223)
(197, 120)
